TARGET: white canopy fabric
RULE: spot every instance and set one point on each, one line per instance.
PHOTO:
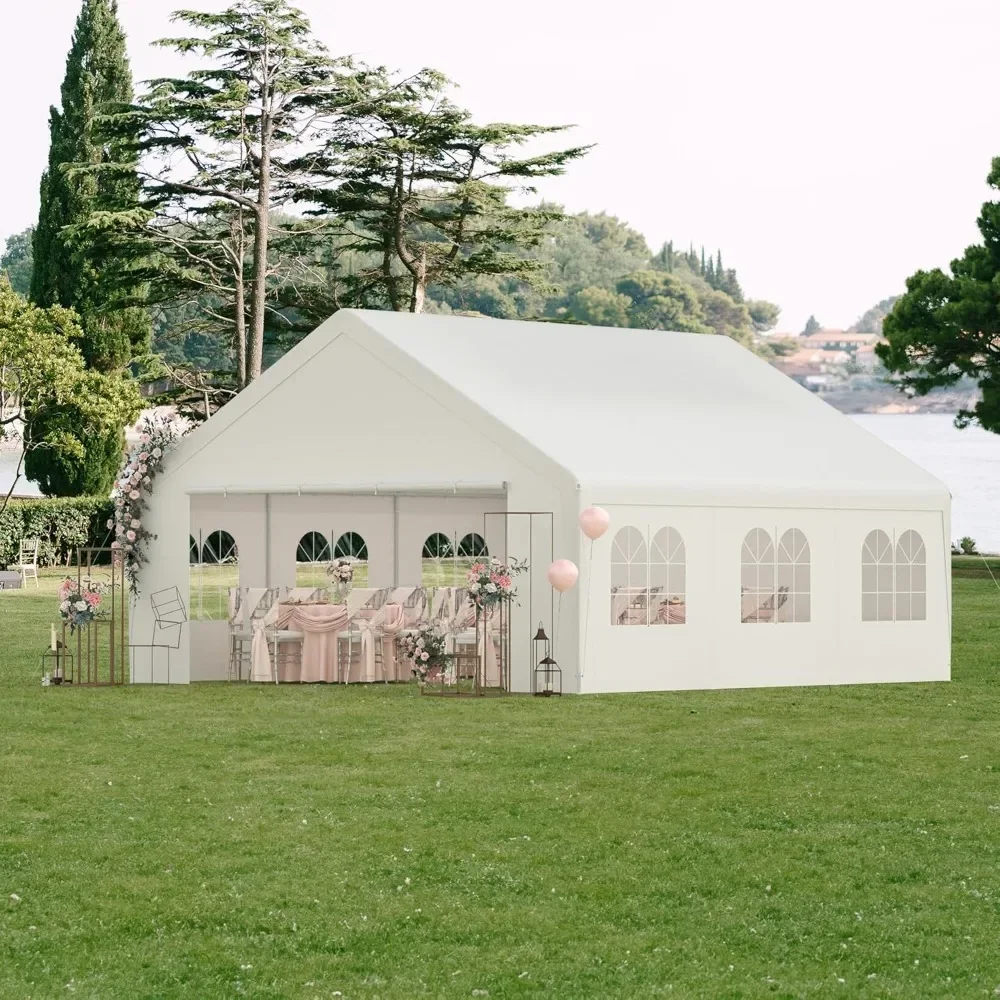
(641, 410)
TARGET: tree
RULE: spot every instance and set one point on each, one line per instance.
(661, 301)
(812, 326)
(90, 276)
(42, 373)
(600, 307)
(872, 320)
(764, 315)
(946, 327)
(423, 191)
(17, 260)
(238, 139)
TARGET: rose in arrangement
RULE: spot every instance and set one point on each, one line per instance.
(341, 571)
(492, 583)
(424, 647)
(79, 605)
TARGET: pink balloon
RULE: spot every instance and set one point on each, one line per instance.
(594, 522)
(562, 575)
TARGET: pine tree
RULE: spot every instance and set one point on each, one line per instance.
(670, 257)
(702, 272)
(88, 274)
(710, 274)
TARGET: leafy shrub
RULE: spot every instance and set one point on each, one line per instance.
(968, 546)
(61, 523)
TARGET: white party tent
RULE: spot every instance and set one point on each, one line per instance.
(758, 537)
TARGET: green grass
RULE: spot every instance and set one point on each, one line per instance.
(236, 841)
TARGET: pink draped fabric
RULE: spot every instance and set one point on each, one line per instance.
(320, 625)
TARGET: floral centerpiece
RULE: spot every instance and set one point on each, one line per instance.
(492, 583)
(158, 434)
(78, 605)
(424, 647)
(341, 572)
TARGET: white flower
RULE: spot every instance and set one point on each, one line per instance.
(81, 605)
(420, 643)
(157, 453)
(473, 588)
(491, 588)
(425, 656)
(111, 522)
(135, 522)
(146, 480)
(64, 607)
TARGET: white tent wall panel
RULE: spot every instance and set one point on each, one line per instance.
(292, 517)
(345, 418)
(715, 649)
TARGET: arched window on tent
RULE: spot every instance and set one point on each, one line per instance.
(629, 577)
(793, 582)
(212, 577)
(194, 552)
(911, 578)
(352, 546)
(757, 590)
(312, 556)
(438, 562)
(667, 571)
(877, 578)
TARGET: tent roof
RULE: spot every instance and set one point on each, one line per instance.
(635, 412)
(651, 407)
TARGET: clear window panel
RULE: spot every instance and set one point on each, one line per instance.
(918, 607)
(869, 578)
(885, 607)
(918, 578)
(902, 607)
(869, 607)
(885, 579)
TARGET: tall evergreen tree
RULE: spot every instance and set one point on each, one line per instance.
(88, 175)
(87, 275)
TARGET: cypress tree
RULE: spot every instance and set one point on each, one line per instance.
(85, 273)
(703, 262)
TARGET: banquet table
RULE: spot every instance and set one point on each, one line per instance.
(320, 625)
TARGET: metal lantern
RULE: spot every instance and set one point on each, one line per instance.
(548, 676)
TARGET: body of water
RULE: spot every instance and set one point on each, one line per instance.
(967, 462)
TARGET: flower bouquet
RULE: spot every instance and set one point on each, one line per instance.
(341, 571)
(424, 647)
(491, 584)
(78, 605)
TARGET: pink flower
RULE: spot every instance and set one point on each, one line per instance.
(116, 545)
(134, 495)
(142, 470)
(425, 656)
(145, 438)
(143, 455)
(120, 530)
(505, 582)
(92, 599)
(130, 535)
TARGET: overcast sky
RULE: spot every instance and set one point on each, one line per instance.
(828, 149)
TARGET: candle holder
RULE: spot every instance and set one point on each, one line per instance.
(57, 664)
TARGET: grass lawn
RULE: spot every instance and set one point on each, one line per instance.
(235, 841)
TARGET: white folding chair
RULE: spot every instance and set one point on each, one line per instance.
(27, 564)
(252, 605)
